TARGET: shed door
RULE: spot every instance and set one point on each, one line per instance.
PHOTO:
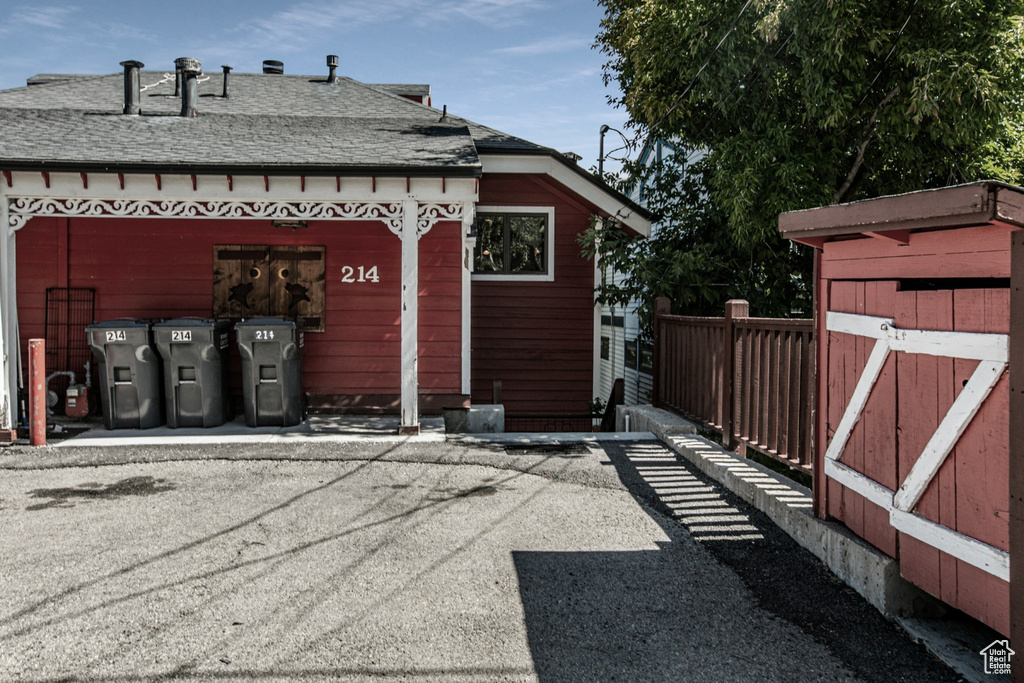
(970, 492)
(898, 391)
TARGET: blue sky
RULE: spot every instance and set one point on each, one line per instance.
(525, 67)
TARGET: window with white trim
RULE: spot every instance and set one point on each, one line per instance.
(514, 243)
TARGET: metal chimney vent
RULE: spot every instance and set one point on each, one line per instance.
(272, 66)
(332, 64)
(190, 68)
(227, 72)
(132, 89)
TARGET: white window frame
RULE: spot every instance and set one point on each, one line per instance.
(549, 276)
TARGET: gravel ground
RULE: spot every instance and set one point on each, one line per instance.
(425, 562)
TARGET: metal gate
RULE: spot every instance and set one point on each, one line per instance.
(68, 311)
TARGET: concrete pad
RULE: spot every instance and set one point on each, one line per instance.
(370, 570)
(551, 438)
(333, 428)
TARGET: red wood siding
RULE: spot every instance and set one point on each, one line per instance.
(983, 251)
(537, 337)
(871, 449)
(970, 494)
(440, 314)
(163, 269)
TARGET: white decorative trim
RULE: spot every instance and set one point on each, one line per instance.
(16, 223)
(859, 483)
(23, 208)
(860, 325)
(872, 369)
(953, 425)
(430, 214)
(966, 345)
(972, 551)
(992, 351)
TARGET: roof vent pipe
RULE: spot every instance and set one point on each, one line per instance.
(332, 64)
(272, 66)
(132, 89)
(227, 70)
(177, 80)
(190, 69)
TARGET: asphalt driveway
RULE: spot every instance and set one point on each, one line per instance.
(423, 562)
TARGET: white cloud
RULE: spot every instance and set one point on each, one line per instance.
(298, 22)
(494, 13)
(548, 46)
(44, 17)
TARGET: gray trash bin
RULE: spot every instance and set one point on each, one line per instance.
(271, 371)
(195, 391)
(129, 371)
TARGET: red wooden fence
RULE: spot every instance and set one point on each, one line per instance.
(749, 378)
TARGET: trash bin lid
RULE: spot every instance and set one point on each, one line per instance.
(266, 322)
(120, 323)
(193, 322)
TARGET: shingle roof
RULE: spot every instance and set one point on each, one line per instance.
(270, 124)
(327, 144)
(281, 121)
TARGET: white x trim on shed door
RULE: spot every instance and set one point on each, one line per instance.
(992, 352)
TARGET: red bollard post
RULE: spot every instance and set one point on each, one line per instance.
(37, 391)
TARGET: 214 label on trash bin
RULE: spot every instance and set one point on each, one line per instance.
(116, 335)
(181, 335)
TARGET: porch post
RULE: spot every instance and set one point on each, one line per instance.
(9, 351)
(468, 247)
(410, 423)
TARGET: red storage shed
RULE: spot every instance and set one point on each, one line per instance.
(425, 256)
(913, 317)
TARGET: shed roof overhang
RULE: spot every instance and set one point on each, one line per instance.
(896, 217)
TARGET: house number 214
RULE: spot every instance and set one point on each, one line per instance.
(359, 274)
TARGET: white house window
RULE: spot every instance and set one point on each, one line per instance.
(514, 244)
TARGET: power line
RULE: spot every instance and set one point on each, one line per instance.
(693, 82)
(892, 49)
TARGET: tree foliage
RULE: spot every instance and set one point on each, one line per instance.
(803, 103)
(692, 258)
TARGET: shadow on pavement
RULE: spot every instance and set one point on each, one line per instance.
(66, 497)
(637, 616)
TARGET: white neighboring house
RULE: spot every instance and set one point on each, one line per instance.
(623, 353)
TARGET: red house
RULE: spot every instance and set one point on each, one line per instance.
(425, 256)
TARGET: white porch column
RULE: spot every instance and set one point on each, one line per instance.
(410, 319)
(468, 247)
(9, 350)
